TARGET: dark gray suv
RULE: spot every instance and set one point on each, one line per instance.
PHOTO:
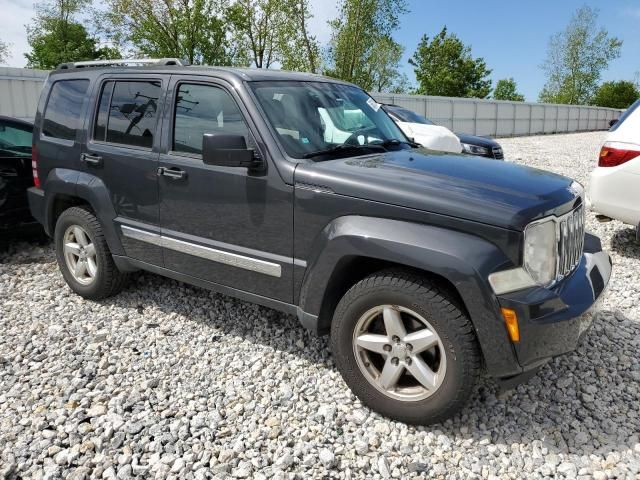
(298, 192)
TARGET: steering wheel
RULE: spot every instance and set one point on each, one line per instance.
(353, 138)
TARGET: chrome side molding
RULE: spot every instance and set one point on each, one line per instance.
(215, 255)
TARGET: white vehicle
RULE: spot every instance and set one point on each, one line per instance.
(614, 188)
(423, 131)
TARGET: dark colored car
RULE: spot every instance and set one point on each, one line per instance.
(482, 146)
(15, 173)
(423, 267)
(471, 144)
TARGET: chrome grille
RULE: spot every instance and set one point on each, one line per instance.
(570, 241)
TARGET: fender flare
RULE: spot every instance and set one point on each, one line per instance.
(465, 260)
(88, 188)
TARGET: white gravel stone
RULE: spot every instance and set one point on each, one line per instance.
(171, 381)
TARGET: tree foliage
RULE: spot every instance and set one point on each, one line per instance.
(4, 52)
(618, 94)
(576, 58)
(384, 68)
(444, 66)
(299, 49)
(506, 89)
(361, 49)
(55, 36)
(259, 24)
(195, 30)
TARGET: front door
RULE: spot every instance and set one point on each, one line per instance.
(226, 225)
(122, 151)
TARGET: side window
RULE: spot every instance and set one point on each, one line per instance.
(204, 109)
(15, 140)
(62, 113)
(127, 113)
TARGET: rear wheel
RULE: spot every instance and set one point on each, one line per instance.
(84, 257)
(404, 347)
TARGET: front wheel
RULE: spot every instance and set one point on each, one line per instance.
(405, 348)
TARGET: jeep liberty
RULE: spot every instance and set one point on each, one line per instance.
(300, 193)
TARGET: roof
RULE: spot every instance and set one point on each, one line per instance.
(245, 74)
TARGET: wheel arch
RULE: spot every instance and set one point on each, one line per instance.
(352, 247)
(68, 188)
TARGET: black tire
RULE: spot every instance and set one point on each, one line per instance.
(108, 280)
(404, 289)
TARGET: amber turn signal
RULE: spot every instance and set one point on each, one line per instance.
(511, 320)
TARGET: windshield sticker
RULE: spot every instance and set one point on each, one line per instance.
(375, 106)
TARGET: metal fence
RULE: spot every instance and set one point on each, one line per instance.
(499, 118)
(20, 90)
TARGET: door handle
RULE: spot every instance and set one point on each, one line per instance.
(172, 172)
(93, 160)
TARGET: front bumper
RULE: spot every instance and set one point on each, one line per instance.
(554, 321)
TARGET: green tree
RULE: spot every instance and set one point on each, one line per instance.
(576, 58)
(276, 32)
(55, 36)
(384, 65)
(506, 89)
(300, 51)
(618, 94)
(444, 66)
(4, 52)
(195, 30)
(361, 31)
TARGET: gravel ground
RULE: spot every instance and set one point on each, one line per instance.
(171, 381)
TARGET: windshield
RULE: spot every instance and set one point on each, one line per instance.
(321, 118)
(405, 115)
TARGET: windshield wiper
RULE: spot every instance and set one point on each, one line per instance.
(395, 141)
(344, 148)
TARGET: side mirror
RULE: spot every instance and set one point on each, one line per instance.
(228, 151)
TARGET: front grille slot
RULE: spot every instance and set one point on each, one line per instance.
(570, 241)
(497, 153)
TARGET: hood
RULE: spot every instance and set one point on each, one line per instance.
(433, 137)
(486, 191)
(476, 140)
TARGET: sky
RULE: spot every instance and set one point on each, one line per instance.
(511, 35)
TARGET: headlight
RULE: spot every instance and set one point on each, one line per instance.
(475, 149)
(539, 264)
(540, 251)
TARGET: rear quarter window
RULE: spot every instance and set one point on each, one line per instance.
(61, 117)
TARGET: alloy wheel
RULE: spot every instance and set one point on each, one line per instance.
(399, 352)
(80, 255)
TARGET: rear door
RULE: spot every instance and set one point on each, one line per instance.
(122, 151)
(226, 225)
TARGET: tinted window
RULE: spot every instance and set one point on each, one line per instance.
(15, 140)
(62, 114)
(132, 113)
(100, 130)
(405, 115)
(204, 109)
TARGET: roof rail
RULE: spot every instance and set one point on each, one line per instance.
(122, 62)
